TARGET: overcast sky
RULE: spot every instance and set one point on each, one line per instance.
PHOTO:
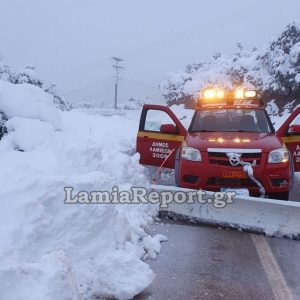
(71, 42)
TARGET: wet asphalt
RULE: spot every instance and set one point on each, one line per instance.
(204, 262)
(200, 262)
(295, 193)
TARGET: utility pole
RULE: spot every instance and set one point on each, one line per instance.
(118, 68)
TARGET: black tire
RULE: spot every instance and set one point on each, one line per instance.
(177, 159)
(280, 196)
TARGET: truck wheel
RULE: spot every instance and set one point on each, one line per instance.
(177, 167)
(280, 196)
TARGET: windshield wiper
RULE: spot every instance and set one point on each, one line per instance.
(203, 130)
(240, 130)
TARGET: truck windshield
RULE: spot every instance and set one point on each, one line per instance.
(235, 120)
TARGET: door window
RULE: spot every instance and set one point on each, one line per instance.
(155, 118)
(296, 121)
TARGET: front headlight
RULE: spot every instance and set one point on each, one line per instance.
(190, 153)
(280, 155)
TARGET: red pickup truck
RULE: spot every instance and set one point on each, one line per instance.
(224, 135)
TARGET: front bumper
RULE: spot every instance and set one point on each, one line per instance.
(275, 178)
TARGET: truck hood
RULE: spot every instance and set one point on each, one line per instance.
(237, 140)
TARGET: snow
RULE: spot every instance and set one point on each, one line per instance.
(39, 280)
(215, 72)
(273, 70)
(28, 101)
(273, 112)
(125, 273)
(153, 244)
(51, 250)
(295, 53)
(184, 115)
(28, 134)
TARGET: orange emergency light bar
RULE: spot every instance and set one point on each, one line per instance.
(213, 94)
(240, 96)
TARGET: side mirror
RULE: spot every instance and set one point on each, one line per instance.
(294, 130)
(168, 128)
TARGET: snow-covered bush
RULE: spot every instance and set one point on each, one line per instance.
(5, 73)
(3, 129)
(132, 104)
(22, 95)
(28, 75)
(274, 71)
(83, 105)
(58, 101)
(26, 102)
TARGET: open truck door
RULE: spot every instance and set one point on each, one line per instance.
(160, 134)
(290, 134)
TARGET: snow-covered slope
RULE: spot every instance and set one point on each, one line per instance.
(51, 250)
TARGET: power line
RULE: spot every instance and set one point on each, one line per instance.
(87, 86)
(140, 83)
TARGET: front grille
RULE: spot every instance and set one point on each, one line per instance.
(231, 182)
(219, 158)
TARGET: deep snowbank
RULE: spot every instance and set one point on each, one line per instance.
(28, 101)
(51, 250)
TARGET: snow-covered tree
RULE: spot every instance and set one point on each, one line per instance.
(26, 75)
(5, 71)
(5, 74)
(59, 101)
(3, 120)
(274, 71)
